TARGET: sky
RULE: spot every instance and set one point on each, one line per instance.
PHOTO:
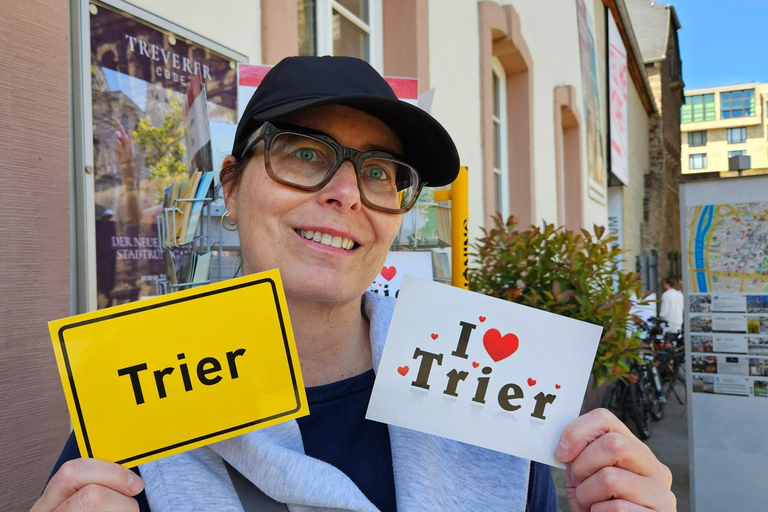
(722, 41)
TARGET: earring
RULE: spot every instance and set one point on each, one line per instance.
(226, 223)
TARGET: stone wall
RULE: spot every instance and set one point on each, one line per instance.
(661, 211)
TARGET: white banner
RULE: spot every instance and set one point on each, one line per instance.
(617, 108)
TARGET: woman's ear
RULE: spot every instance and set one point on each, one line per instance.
(230, 191)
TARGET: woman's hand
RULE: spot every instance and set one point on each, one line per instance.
(82, 485)
(609, 470)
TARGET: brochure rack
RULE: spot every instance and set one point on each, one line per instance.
(166, 231)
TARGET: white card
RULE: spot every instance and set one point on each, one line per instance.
(482, 371)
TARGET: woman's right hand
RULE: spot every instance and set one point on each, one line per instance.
(91, 485)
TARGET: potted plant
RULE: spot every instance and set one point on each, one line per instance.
(575, 274)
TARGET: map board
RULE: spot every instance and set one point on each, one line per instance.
(725, 282)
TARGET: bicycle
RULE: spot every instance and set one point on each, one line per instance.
(638, 395)
(669, 349)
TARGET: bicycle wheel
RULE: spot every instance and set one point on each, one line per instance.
(655, 394)
(614, 399)
(658, 403)
(641, 408)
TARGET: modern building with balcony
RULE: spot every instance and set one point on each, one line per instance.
(721, 122)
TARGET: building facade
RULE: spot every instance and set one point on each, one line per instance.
(718, 123)
(521, 86)
(656, 27)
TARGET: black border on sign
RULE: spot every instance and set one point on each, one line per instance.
(71, 377)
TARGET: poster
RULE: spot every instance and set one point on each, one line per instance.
(139, 78)
(591, 94)
(617, 102)
(724, 233)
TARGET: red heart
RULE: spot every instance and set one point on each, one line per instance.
(557, 386)
(531, 382)
(403, 370)
(434, 336)
(482, 319)
(475, 364)
(388, 272)
(500, 347)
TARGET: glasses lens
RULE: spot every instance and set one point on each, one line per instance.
(388, 183)
(301, 160)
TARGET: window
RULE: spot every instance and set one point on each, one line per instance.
(737, 104)
(307, 32)
(697, 161)
(341, 27)
(737, 153)
(698, 108)
(736, 135)
(500, 161)
(133, 90)
(697, 138)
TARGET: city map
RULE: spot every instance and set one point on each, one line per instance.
(728, 247)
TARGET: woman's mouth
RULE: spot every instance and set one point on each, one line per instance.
(319, 237)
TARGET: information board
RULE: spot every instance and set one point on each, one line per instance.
(724, 232)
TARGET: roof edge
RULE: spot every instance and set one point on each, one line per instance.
(629, 32)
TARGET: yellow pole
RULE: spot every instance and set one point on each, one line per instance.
(459, 229)
(459, 197)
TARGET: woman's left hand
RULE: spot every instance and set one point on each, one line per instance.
(608, 469)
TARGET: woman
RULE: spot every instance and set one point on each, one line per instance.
(325, 160)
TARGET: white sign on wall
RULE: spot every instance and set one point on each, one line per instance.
(617, 105)
(398, 265)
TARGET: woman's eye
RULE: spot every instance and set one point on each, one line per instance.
(378, 173)
(305, 155)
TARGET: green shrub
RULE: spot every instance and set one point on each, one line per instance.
(572, 274)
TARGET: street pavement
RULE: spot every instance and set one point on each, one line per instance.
(669, 442)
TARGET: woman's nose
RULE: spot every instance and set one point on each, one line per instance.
(342, 191)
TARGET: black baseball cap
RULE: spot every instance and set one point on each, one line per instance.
(296, 84)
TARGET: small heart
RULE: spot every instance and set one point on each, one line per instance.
(531, 382)
(388, 272)
(379, 284)
(481, 318)
(434, 336)
(475, 364)
(500, 347)
(557, 386)
(403, 370)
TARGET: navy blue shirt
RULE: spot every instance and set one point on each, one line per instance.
(337, 432)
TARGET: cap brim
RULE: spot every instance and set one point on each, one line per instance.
(427, 145)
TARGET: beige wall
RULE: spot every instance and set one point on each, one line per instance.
(639, 163)
(35, 234)
(235, 24)
(553, 39)
(454, 68)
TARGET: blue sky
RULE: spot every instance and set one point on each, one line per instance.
(722, 41)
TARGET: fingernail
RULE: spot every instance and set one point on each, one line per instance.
(561, 452)
(135, 484)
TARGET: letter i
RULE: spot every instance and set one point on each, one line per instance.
(184, 373)
(482, 386)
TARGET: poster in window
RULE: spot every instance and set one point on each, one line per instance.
(589, 89)
(139, 77)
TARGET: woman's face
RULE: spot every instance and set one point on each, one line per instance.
(273, 219)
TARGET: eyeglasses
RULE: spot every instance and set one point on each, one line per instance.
(308, 160)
